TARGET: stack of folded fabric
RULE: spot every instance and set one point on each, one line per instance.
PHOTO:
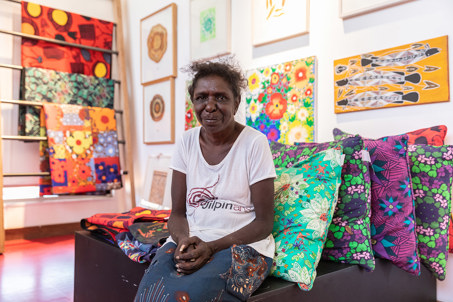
(138, 232)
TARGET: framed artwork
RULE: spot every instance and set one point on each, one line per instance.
(157, 186)
(158, 112)
(409, 74)
(352, 8)
(275, 20)
(210, 34)
(158, 45)
(280, 101)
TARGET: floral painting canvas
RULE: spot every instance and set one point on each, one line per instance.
(190, 118)
(280, 101)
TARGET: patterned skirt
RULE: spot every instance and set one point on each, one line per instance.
(231, 275)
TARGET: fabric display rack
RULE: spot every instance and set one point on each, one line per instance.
(119, 108)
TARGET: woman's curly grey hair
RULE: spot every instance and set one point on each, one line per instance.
(228, 69)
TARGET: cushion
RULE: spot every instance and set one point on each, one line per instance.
(434, 136)
(428, 136)
(432, 171)
(348, 238)
(392, 202)
(305, 198)
(450, 235)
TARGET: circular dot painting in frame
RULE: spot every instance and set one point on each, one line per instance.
(157, 108)
(157, 42)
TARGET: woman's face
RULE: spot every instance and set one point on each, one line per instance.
(214, 103)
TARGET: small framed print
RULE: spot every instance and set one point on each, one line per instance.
(157, 186)
(158, 112)
(352, 8)
(158, 45)
(210, 23)
(278, 20)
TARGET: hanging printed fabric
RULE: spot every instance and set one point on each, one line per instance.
(45, 182)
(105, 149)
(45, 85)
(280, 101)
(69, 27)
(82, 149)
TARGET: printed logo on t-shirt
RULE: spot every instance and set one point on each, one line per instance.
(204, 198)
(200, 195)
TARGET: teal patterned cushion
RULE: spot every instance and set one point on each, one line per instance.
(349, 236)
(305, 199)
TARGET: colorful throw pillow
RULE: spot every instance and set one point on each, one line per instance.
(428, 136)
(349, 238)
(432, 171)
(450, 235)
(305, 198)
(392, 202)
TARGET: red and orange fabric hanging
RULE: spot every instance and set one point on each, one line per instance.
(70, 27)
(82, 149)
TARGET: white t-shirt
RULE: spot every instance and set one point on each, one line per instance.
(218, 196)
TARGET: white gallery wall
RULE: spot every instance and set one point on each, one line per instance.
(330, 38)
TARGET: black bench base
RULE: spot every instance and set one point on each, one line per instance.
(104, 273)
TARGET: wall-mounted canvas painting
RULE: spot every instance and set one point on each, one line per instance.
(157, 187)
(210, 30)
(409, 74)
(352, 8)
(158, 112)
(158, 45)
(276, 20)
(280, 101)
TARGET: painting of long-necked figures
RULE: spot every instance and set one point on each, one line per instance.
(410, 74)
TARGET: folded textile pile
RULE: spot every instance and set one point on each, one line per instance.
(138, 232)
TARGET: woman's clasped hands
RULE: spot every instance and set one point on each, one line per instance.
(191, 254)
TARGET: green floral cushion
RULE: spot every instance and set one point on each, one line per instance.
(305, 199)
(432, 172)
(349, 236)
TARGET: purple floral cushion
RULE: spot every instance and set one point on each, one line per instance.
(348, 237)
(432, 170)
(392, 202)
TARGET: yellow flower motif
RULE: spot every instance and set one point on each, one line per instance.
(254, 81)
(291, 109)
(59, 151)
(297, 133)
(80, 141)
(275, 78)
(302, 114)
(103, 119)
(267, 72)
(254, 109)
(284, 126)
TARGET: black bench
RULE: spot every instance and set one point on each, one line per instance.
(104, 273)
